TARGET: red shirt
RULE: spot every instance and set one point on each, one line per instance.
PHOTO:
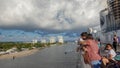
(92, 49)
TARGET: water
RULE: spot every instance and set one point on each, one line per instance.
(52, 57)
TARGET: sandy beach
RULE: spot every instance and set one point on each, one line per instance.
(18, 54)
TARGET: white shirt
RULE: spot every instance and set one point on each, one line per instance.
(112, 52)
(80, 40)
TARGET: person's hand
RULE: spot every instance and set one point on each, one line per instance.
(85, 49)
(83, 43)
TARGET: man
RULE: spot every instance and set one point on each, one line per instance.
(91, 49)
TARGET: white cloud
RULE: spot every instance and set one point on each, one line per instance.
(50, 14)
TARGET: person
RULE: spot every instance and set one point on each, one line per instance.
(13, 57)
(99, 42)
(91, 55)
(115, 42)
(80, 60)
(80, 40)
(118, 41)
(109, 56)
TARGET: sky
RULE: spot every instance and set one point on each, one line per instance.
(25, 20)
(50, 15)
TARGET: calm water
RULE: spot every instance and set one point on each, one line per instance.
(52, 57)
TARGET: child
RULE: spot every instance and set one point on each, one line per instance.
(110, 55)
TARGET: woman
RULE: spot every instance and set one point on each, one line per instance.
(115, 42)
(92, 51)
(109, 58)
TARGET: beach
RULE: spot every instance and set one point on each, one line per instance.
(18, 54)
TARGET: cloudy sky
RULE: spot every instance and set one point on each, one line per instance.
(50, 15)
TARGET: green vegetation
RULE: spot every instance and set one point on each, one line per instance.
(19, 45)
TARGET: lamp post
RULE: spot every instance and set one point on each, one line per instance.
(90, 30)
(95, 32)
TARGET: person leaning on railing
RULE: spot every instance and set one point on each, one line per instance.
(91, 49)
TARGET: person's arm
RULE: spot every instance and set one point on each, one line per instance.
(84, 48)
(79, 46)
(80, 40)
(110, 56)
(85, 44)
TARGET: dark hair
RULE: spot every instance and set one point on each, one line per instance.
(98, 39)
(89, 36)
(84, 34)
(108, 45)
(115, 35)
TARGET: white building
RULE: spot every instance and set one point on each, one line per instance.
(60, 39)
(43, 41)
(34, 41)
(52, 40)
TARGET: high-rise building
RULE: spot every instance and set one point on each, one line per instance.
(103, 19)
(110, 20)
(114, 7)
(110, 17)
(107, 22)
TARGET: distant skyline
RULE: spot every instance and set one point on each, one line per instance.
(19, 35)
(50, 15)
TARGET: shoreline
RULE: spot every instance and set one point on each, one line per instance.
(19, 54)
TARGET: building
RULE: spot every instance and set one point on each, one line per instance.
(110, 20)
(110, 16)
(103, 19)
(34, 41)
(107, 21)
(114, 9)
(43, 41)
(52, 40)
(60, 39)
